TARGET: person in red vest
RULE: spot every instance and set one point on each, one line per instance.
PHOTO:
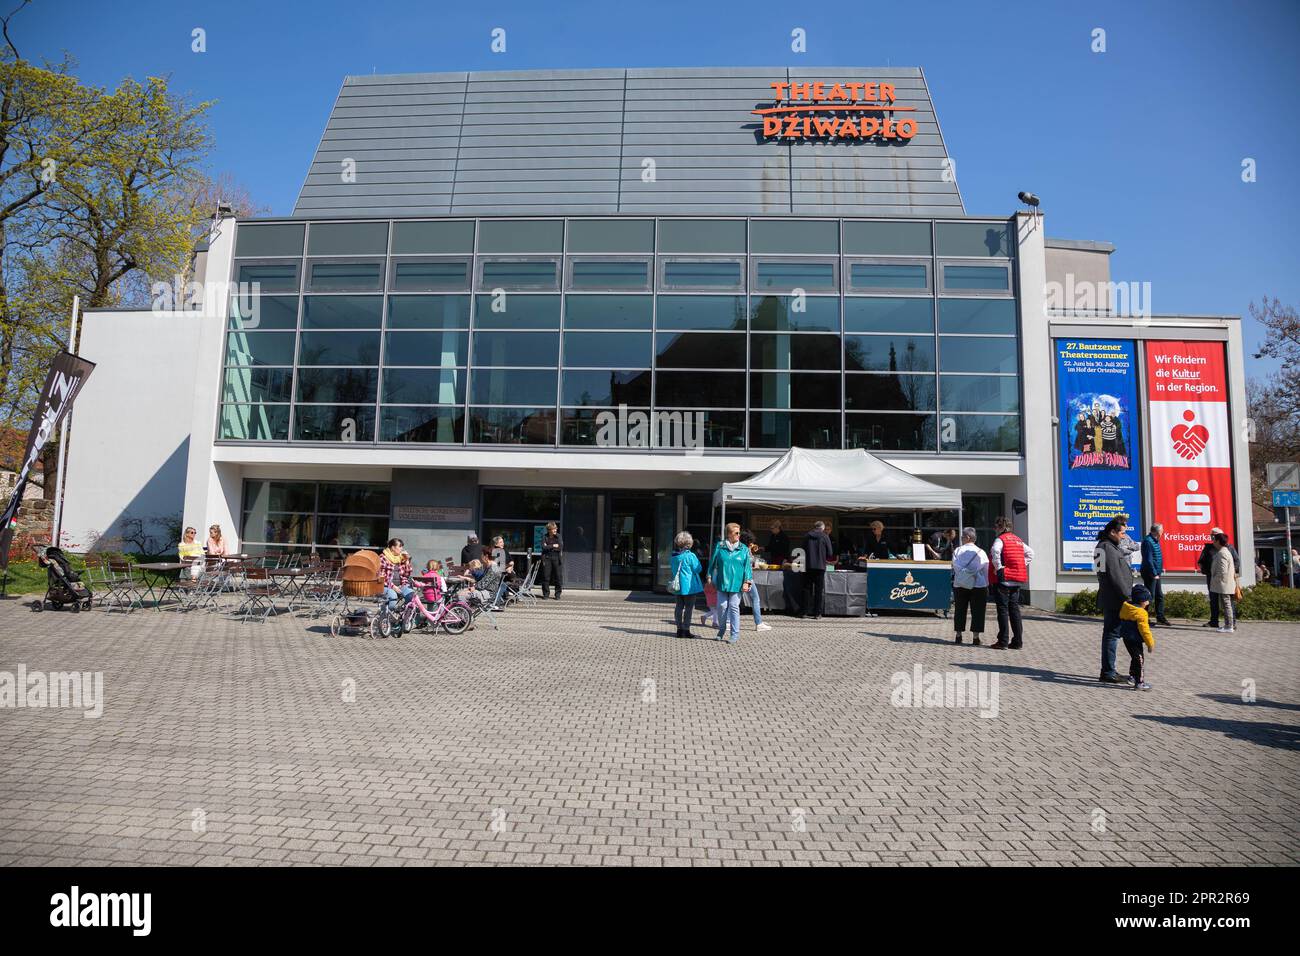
(1009, 558)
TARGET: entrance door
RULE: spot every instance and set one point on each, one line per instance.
(632, 542)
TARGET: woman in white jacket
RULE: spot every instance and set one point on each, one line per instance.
(970, 583)
(1223, 582)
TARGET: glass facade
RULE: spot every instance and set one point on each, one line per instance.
(892, 335)
(327, 517)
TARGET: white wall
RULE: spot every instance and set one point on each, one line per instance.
(129, 439)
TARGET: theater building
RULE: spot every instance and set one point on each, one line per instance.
(593, 296)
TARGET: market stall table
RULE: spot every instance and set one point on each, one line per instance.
(906, 585)
(782, 590)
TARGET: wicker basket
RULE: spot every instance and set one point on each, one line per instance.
(360, 575)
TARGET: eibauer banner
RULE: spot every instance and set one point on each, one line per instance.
(1100, 460)
(1191, 452)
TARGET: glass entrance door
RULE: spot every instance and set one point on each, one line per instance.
(632, 542)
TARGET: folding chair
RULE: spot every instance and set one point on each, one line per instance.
(523, 590)
(125, 589)
(260, 592)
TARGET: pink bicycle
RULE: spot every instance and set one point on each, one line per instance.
(454, 617)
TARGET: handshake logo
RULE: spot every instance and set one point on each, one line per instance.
(1189, 440)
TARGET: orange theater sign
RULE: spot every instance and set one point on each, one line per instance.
(843, 111)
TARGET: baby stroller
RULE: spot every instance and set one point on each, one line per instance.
(62, 584)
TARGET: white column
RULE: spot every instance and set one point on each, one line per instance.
(1041, 522)
(1241, 428)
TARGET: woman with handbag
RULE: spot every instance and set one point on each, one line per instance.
(731, 571)
(685, 581)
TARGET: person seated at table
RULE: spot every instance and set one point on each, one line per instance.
(189, 549)
(471, 550)
(877, 547)
(216, 546)
(488, 581)
(395, 572)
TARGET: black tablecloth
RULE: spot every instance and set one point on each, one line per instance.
(846, 592)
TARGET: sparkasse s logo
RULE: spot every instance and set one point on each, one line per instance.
(75, 909)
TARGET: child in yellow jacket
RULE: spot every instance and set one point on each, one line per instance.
(1136, 631)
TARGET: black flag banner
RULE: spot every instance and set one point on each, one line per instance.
(67, 374)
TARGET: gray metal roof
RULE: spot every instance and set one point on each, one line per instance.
(574, 141)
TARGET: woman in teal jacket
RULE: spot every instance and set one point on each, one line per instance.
(731, 571)
(685, 570)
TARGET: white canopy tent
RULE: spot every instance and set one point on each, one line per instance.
(843, 480)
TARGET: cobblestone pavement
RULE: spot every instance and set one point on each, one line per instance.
(581, 732)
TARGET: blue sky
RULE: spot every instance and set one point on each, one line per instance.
(1141, 145)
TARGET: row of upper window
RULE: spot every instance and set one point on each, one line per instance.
(531, 387)
(905, 352)
(975, 239)
(533, 426)
(723, 313)
(811, 275)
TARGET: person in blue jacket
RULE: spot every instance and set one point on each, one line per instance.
(1153, 566)
(685, 570)
(731, 572)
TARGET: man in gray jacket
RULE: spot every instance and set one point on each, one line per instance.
(1114, 584)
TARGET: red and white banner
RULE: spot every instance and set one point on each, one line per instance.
(1191, 451)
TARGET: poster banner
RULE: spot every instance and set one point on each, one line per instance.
(67, 374)
(1191, 455)
(1101, 475)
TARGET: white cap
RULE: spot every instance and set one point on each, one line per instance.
(1216, 531)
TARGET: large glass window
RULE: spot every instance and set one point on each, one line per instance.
(889, 353)
(519, 274)
(350, 385)
(702, 274)
(806, 236)
(611, 235)
(338, 348)
(974, 239)
(695, 390)
(424, 386)
(514, 386)
(702, 236)
(877, 431)
(784, 429)
(517, 348)
(347, 238)
(597, 274)
(267, 277)
(259, 348)
(603, 349)
(269, 239)
(326, 517)
(428, 312)
(813, 352)
(429, 275)
(251, 312)
(605, 388)
(608, 311)
(257, 385)
(980, 393)
(862, 238)
(961, 278)
(517, 312)
(969, 354)
(700, 350)
(995, 433)
(888, 315)
(512, 426)
(885, 276)
(810, 275)
(868, 391)
(978, 316)
(342, 311)
(784, 390)
(784, 313)
(256, 422)
(399, 423)
(438, 347)
(520, 235)
(432, 238)
(341, 423)
(701, 312)
(330, 276)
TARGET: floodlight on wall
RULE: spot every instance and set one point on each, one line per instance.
(1029, 199)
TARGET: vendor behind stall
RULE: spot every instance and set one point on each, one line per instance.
(877, 547)
(778, 544)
